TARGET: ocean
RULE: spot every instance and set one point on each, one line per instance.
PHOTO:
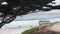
(21, 24)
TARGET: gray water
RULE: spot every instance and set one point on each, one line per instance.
(21, 24)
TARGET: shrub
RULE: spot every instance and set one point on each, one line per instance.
(30, 31)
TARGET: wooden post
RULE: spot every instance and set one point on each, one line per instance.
(40, 26)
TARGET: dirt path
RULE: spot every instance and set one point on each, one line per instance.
(46, 33)
(55, 29)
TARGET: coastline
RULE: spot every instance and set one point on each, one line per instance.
(13, 31)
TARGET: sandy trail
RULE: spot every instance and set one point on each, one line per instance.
(56, 27)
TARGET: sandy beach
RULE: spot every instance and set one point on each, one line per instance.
(16, 27)
(13, 31)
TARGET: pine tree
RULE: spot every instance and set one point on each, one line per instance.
(22, 7)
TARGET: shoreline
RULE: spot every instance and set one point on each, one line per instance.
(13, 31)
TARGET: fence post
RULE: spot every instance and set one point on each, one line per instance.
(42, 24)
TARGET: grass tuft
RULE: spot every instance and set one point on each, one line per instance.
(30, 31)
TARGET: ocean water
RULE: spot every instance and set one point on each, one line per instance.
(21, 24)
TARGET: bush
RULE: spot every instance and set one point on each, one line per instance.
(30, 31)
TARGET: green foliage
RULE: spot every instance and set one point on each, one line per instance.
(30, 30)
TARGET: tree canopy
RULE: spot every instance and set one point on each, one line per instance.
(13, 8)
